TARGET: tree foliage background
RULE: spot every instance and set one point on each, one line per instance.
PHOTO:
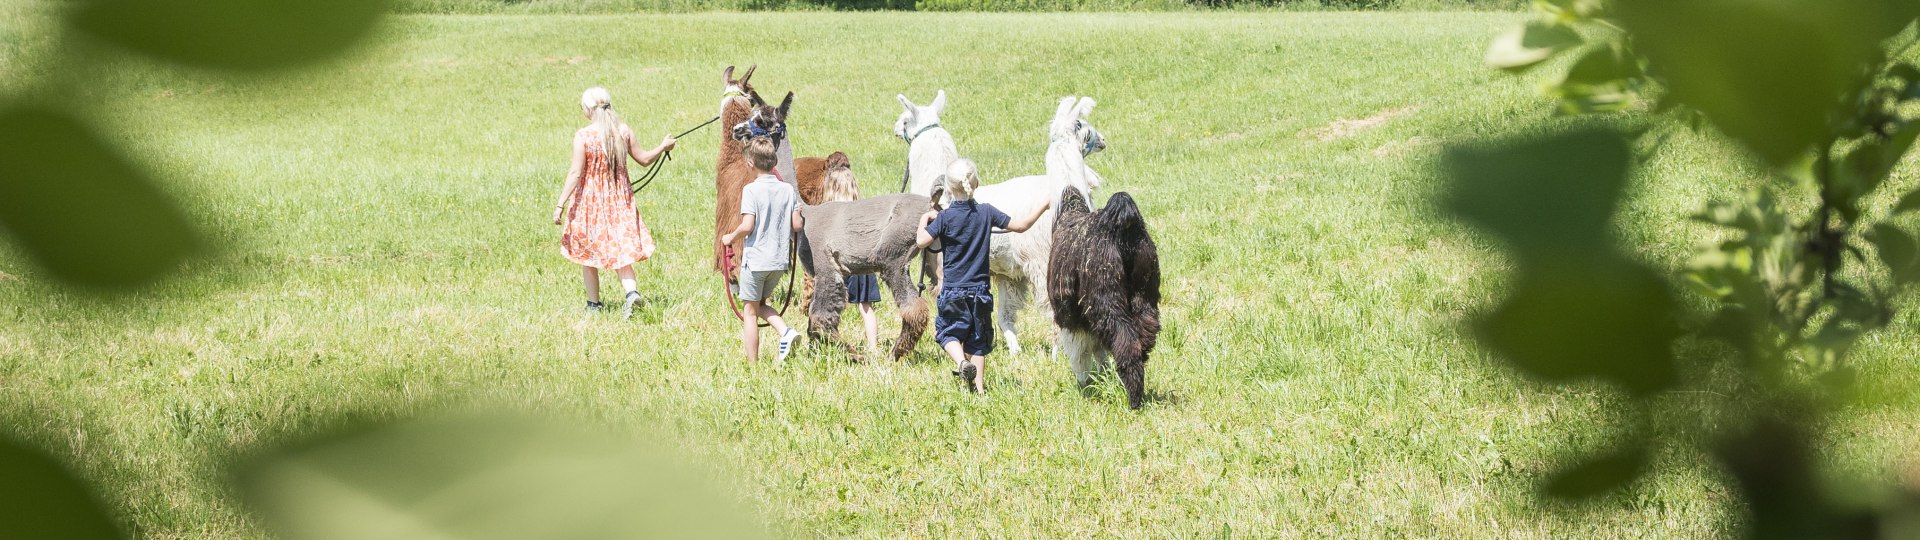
(1820, 93)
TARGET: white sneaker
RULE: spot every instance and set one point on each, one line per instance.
(633, 297)
(786, 343)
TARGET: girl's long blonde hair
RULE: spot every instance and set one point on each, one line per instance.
(599, 107)
(840, 183)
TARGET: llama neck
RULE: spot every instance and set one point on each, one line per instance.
(732, 113)
(928, 157)
(1066, 167)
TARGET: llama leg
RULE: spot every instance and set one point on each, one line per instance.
(823, 315)
(1037, 285)
(1075, 345)
(913, 308)
(1011, 296)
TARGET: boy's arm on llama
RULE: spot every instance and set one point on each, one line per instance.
(1024, 223)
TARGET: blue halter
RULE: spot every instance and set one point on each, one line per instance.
(754, 130)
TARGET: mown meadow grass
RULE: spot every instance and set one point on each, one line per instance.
(383, 252)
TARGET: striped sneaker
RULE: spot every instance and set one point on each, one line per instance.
(786, 343)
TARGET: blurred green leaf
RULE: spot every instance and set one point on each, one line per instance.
(1544, 195)
(1529, 44)
(231, 34)
(1599, 475)
(1908, 202)
(81, 208)
(1601, 65)
(483, 478)
(1898, 250)
(1579, 309)
(40, 498)
(1769, 73)
(1571, 10)
(1598, 318)
(1868, 165)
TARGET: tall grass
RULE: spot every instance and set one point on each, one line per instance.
(385, 253)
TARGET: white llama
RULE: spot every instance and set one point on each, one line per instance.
(1018, 262)
(930, 147)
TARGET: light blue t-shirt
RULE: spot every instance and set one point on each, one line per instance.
(771, 203)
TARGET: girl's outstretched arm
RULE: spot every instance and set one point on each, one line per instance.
(1023, 224)
(647, 157)
(573, 181)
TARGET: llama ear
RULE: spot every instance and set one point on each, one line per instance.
(939, 102)
(1085, 107)
(726, 77)
(786, 105)
(749, 75)
(1066, 107)
(905, 103)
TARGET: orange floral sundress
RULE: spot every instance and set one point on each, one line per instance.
(603, 229)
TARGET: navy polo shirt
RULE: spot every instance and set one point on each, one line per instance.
(965, 232)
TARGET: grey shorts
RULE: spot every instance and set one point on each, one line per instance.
(757, 286)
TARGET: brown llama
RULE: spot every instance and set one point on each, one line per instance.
(1103, 280)
(740, 103)
(731, 172)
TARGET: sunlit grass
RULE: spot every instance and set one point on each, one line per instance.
(385, 252)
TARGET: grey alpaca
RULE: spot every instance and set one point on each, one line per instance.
(867, 236)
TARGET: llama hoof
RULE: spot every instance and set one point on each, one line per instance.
(1013, 345)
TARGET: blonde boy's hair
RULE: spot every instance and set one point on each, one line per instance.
(759, 152)
(961, 178)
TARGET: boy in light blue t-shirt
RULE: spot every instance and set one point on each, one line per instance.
(769, 217)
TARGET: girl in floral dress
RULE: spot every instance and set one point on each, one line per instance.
(602, 229)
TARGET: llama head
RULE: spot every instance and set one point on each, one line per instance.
(1072, 140)
(766, 120)
(916, 119)
(1070, 124)
(731, 88)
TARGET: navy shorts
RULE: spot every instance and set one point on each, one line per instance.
(863, 289)
(966, 316)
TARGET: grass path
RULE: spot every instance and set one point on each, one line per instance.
(384, 253)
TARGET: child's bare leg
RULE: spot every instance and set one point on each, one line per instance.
(872, 323)
(590, 278)
(979, 373)
(750, 331)
(773, 319)
(953, 351)
(627, 279)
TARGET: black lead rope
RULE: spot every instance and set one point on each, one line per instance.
(653, 170)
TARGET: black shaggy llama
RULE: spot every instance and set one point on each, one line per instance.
(1103, 279)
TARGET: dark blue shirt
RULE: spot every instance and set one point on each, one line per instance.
(965, 233)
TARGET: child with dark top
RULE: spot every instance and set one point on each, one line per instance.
(964, 326)
(862, 290)
(768, 216)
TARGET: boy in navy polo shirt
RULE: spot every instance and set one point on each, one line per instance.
(964, 326)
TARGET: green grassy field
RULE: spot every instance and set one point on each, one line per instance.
(384, 251)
